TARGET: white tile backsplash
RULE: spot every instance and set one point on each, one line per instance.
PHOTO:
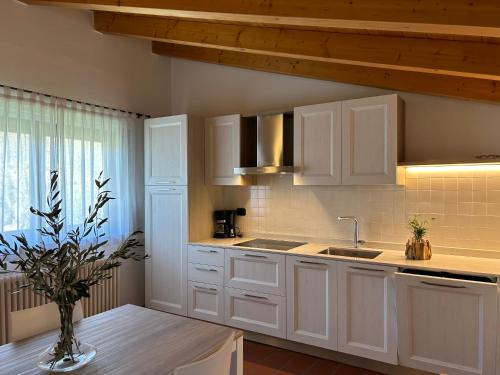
(465, 205)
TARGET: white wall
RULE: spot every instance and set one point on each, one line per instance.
(56, 51)
(436, 127)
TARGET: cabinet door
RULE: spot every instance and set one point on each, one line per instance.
(312, 301)
(166, 244)
(165, 150)
(255, 270)
(257, 312)
(222, 150)
(446, 325)
(370, 140)
(318, 144)
(367, 311)
(206, 302)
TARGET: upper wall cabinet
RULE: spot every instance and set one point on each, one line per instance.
(222, 150)
(356, 142)
(372, 131)
(317, 144)
(165, 150)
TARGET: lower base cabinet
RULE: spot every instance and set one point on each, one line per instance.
(206, 302)
(440, 325)
(367, 311)
(257, 312)
(447, 325)
(312, 301)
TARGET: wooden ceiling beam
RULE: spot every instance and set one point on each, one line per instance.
(456, 58)
(425, 83)
(449, 19)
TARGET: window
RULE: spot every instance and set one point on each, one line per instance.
(39, 134)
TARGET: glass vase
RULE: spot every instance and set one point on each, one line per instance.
(68, 353)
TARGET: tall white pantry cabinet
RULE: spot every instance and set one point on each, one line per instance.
(174, 190)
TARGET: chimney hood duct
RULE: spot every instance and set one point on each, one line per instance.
(267, 142)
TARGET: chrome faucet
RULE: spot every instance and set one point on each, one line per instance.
(356, 241)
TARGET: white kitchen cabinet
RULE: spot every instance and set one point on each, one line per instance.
(372, 140)
(212, 256)
(165, 150)
(222, 150)
(367, 311)
(166, 232)
(312, 301)
(318, 144)
(257, 312)
(447, 325)
(256, 271)
(206, 302)
(205, 274)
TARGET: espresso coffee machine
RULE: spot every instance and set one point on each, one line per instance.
(225, 223)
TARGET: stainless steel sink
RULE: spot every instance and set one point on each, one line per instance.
(353, 253)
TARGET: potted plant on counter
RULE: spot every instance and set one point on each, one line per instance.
(53, 268)
(418, 248)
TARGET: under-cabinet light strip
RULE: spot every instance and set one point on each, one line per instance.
(453, 168)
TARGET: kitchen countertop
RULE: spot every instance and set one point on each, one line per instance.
(439, 262)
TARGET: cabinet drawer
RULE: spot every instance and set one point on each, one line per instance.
(255, 270)
(205, 274)
(212, 256)
(206, 302)
(257, 312)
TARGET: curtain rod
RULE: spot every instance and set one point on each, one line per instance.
(139, 115)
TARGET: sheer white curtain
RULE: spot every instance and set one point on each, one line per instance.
(40, 134)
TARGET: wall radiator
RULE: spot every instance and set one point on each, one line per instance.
(102, 298)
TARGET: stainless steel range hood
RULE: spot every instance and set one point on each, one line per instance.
(270, 142)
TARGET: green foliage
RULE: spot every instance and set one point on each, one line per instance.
(52, 267)
(418, 228)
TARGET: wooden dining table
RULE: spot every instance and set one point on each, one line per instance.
(131, 340)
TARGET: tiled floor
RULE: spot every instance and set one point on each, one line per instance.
(266, 360)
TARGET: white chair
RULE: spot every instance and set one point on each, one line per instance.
(218, 363)
(40, 319)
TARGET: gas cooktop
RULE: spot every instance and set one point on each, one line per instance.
(263, 243)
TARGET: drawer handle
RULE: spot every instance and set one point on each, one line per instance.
(206, 269)
(169, 182)
(205, 288)
(366, 269)
(444, 285)
(258, 297)
(254, 256)
(314, 263)
(207, 251)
